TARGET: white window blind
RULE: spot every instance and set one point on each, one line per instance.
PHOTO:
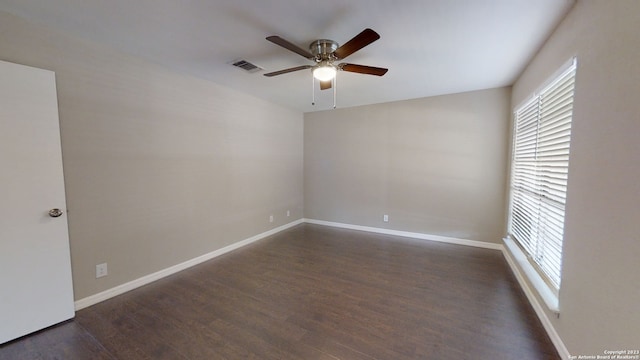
(540, 166)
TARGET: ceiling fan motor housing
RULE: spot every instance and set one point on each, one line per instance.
(322, 49)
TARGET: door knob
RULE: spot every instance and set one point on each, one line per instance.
(55, 212)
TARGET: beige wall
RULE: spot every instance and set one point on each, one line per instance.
(159, 167)
(435, 165)
(600, 294)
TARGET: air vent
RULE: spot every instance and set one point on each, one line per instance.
(245, 65)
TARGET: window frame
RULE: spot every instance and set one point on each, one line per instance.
(547, 285)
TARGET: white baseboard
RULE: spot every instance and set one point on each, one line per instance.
(121, 289)
(421, 236)
(537, 306)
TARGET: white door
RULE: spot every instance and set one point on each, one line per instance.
(35, 267)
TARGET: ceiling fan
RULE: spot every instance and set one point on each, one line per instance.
(325, 52)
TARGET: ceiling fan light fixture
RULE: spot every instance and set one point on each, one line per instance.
(324, 73)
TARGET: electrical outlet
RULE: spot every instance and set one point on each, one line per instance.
(101, 270)
(385, 218)
(288, 213)
(270, 218)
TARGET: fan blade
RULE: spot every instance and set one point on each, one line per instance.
(366, 37)
(362, 69)
(289, 46)
(324, 85)
(280, 72)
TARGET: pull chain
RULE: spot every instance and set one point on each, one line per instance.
(335, 80)
(313, 90)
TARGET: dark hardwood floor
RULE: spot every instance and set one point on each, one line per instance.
(313, 292)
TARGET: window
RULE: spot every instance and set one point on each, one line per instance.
(539, 169)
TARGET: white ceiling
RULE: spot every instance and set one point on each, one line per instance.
(431, 47)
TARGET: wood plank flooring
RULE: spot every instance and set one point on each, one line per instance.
(313, 292)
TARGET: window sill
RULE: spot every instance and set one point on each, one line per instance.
(548, 296)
